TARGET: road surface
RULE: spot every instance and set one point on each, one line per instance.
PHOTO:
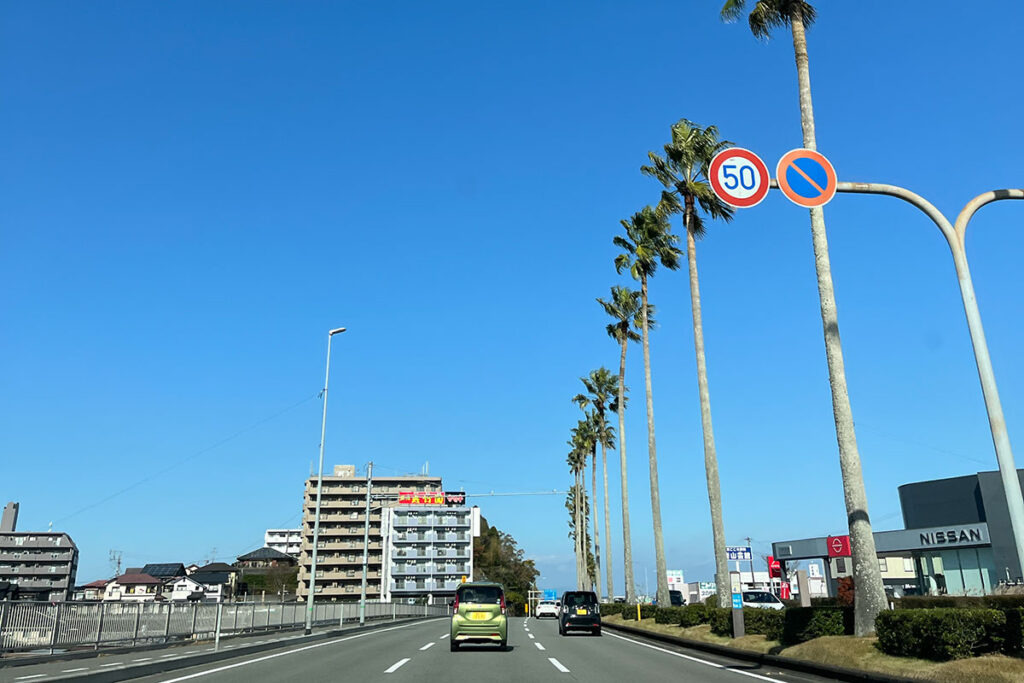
(418, 652)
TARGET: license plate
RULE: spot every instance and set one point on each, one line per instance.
(479, 616)
(581, 611)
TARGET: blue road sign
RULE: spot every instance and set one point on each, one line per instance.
(550, 594)
(806, 177)
(738, 552)
(737, 601)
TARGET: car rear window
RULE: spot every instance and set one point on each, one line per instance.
(580, 598)
(481, 595)
(758, 597)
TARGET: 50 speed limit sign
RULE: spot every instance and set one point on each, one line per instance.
(739, 177)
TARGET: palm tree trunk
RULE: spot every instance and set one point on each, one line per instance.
(722, 581)
(869, 595)
(627, 542)
(607, 522)
(652, 454)
(581, 563)
(593, 520)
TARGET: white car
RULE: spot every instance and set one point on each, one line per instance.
(546, 608)
(762, 599)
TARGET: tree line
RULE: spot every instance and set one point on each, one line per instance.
(645, 243)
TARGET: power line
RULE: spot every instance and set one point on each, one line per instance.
(181, 461)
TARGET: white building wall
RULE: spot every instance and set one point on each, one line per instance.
(288, 541)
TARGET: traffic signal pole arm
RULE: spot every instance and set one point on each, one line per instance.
(955, 237)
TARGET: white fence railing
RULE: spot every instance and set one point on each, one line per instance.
(63, 625)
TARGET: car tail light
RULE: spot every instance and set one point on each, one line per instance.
(502, 604)
(456, 605)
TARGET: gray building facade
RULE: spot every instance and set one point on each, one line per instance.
(35, 565)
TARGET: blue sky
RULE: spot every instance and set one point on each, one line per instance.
(193, 193)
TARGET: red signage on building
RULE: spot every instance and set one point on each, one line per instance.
(774, 568)
(838, 546)
(431, 498)
(784, 592)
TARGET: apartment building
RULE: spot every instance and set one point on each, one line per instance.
(342, 518)
(38, 565)
(287, 541)
(428, 551)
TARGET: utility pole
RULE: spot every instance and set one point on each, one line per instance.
(115, 561)
(366, 543)
(753, 579)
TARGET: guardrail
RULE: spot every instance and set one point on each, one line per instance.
(66, 625)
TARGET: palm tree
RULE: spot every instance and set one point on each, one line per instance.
(602, 387)
(765, 16)
(648, 242)
(684, 172)
(577, 461)
(624, 309)
(593, 434)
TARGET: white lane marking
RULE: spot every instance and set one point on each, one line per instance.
(693, 659)
(142, 659)
(81, 668)
(25, 678)
(113, 664)
(288, 652)
(394, 667)
(531, 636)
(427, 646)
(443, 639)
(558, 665)
(539, 646)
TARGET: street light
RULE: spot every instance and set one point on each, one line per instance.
(319, 487)
(955, 234)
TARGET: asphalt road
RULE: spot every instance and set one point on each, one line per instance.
(418, 652)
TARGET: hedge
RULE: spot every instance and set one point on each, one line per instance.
(940, 633)
(806, 623)
(720, 619)
(1000, 602)
(610, 608)
(694, 615)
(668, 615)
(1014, 630)
(646, 612)
(765, 622)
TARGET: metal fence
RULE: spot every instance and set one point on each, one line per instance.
(66, 625)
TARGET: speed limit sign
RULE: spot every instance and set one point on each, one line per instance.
(739, 177)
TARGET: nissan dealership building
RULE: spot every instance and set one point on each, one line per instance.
(957, 540)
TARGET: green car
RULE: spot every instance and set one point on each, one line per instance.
(479, 615)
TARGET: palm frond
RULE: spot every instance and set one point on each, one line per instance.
(732, 10)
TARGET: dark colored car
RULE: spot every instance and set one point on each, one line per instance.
(579, 611)
(676, 598)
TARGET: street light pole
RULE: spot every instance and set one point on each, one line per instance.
(366, 544)
(319, 488)
(955, 236)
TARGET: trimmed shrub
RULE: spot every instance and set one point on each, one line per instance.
(765, 622)
(694, 615)
(1000, 602)
(629, 612)
(806, 623)
(711, 601)
(668, 615)
(610, 608)
(823, 602)
(940, 633)
(721, 621)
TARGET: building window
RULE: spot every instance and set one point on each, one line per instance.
(908, 564)
(883, 566)
(840, 565)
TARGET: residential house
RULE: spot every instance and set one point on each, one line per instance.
(90, 591)
(133, 588)
(182, 588)
(263, 559)
(217, 586)
(170, 570)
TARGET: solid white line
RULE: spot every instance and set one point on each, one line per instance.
(81, 668)
(142, 659)
(558, 665)
(693, 659)
(539, 646)
(394, 667)
(427, 646)
(531, 636)
(287, 652)
(25, 678)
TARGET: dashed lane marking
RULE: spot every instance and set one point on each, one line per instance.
(558, 665)
(394, 667)
(539, 646)
(113, 664)
(71, 671)
(427, 646)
